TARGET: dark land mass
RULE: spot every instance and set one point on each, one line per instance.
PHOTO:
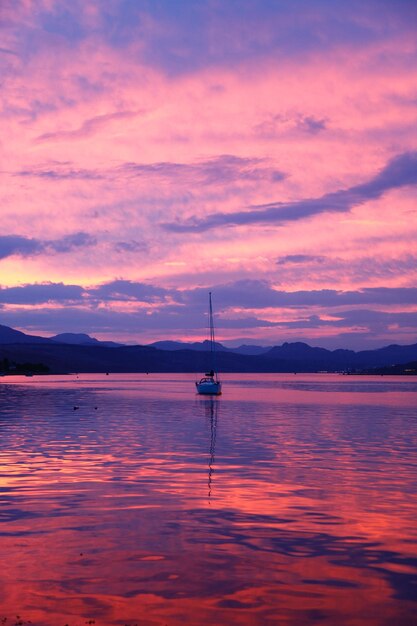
(84, 354)
(9, 368)
(64, 358)
(406, 369)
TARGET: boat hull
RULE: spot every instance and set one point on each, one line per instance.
(211, 388)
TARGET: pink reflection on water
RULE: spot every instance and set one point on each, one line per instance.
(281, 502)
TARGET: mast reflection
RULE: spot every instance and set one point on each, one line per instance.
(211, 408)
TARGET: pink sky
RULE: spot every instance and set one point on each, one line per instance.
(151, 152)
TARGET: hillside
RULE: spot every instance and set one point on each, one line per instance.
(95, 356)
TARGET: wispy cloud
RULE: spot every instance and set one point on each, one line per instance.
(371, 267)
(70, 242)
(88, 127)
(60, 171)
(131, 246)
(281, 123)
(128, 290)
(400, 171)
(218, 170)
(7, 51)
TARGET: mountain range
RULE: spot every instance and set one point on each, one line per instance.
(78, 352)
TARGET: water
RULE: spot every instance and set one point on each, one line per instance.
(289, 500)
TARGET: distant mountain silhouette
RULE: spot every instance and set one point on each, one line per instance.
(320, 358)
(250, 349)
(205, 346)
(10, 335)
(323, 359)
(201, 346)
(90, 355)
(81, 339)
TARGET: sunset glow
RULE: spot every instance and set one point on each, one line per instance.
(153, 151)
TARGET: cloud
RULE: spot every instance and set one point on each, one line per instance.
(311, 124)
(258, 294)
(377, 267)
(299, 259)
(7, 51)
(374, 319)
(128, 290)
(88, 127)
(227, 296)
(399, 172)
(185, 37)
(41, 294)
(149, 112)
(131, 246)
(22, 246)
(60, 171)
(70, 242)
(122, 309)
(11, 245)
(218, 170)
(281, 123)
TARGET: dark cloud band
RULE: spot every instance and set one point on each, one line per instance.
(237, 294)
(11, 245)
(399, 172)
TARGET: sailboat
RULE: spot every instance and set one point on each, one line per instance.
(209, 384)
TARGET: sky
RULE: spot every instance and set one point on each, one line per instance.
(152, 151)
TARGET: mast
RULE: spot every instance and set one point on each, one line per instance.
(212, 339)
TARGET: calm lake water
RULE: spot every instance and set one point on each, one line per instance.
(287, 500)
